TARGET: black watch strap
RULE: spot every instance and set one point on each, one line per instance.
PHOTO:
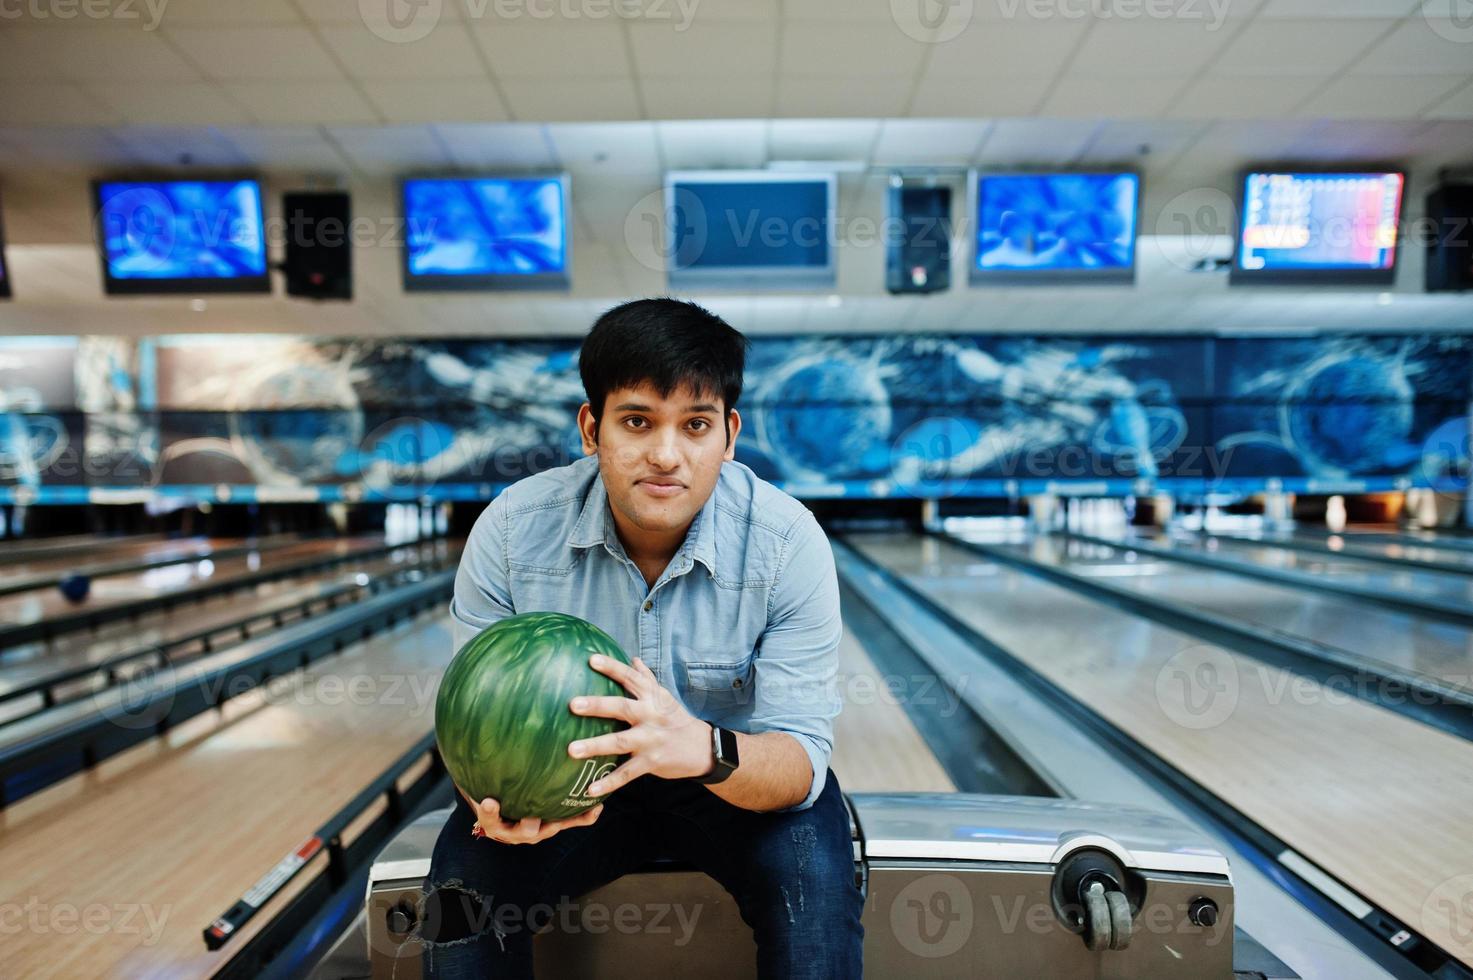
(724, 759)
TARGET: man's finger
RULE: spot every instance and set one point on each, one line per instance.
(622, 742)
(624, 774)
(620, 709)
(614, 670)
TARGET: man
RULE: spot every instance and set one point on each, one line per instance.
(722, 590)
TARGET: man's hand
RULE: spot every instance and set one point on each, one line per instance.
(528, 830)
(663, 739)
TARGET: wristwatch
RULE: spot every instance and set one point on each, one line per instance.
(723, 755)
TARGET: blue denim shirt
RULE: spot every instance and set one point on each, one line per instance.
(743, 624)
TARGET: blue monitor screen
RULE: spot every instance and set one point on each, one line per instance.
(485, 232)
(184, 232)
(1079, 224)
(1309, 222)
(751, 225)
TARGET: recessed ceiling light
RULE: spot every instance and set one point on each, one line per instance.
(836, 300)
(1383, 299)
(198, 305)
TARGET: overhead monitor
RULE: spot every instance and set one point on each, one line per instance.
(1054, 227)
(476, 233)
(181, 236)
(750, 229)
(1311, 228)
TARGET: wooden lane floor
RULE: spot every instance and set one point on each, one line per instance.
(156, 842)
(1377, 800)
(1377, 634)
(26, 549)
(1351, 545)
(36, 605)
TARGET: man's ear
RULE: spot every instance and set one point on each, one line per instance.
(734, 420)
(588, 429)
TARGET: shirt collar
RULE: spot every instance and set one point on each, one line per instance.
(595, 526)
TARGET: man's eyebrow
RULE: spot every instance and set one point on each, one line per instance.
(635, 407)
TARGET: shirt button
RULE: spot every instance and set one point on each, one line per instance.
(649, 604)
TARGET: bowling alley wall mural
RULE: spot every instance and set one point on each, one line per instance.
(924, 415)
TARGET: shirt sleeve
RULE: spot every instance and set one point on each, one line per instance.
(798, 662)
(482, 582)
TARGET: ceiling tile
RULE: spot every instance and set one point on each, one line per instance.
(390, 149)
(288, 147)
(699, 144)
(228, 12)
(991, 48)
(848, 48)
(170, 145)
(1385, 9)
(352, 11)
(292, 102)
(1147, 47)
(460, 100)
(1079, 96)
(1022, 141)
(510, 146)
(802, 96)
(706, 97)
(179, 103)
(1242, 96)
(446, 52)
(707, 48)
(32, 54)
(547, 100)
(1422, 46)
(105, 55)
(52, 104)
(822, 139)
(1384, 97)
(607, 148)
(553, 49)
(939, 142)
(1299, 47)
(1458, 105)
(978, 97)
(256, 53)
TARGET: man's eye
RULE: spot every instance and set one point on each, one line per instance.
(700, 424)
(635, 422)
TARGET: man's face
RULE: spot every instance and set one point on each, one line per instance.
(660, 457)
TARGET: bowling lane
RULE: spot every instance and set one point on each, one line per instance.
(35, 661)
(1372, 633)
(83, 545)
(1411, 582)
(25, 608)
(172, 832)
(136, 556)
(1351, 545)
(1339, 780)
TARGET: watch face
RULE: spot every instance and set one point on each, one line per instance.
(728, 747)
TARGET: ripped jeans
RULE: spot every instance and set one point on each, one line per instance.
(791, 874)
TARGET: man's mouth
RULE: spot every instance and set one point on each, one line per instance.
(660, 487)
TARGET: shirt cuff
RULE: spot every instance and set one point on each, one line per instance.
(818, 758)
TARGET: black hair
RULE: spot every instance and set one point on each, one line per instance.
(665, 343)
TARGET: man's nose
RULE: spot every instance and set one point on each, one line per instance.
(663, 453)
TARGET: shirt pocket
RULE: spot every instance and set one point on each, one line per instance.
(719, 690)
